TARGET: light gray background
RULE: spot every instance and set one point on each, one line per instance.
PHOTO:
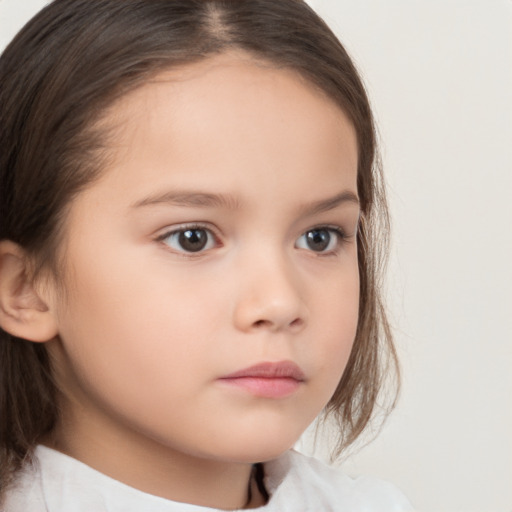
(439, 73)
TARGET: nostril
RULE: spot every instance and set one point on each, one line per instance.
(298, 322)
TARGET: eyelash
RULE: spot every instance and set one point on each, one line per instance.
(338, 232)
(183, 229)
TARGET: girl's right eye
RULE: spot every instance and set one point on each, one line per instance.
(191, 239)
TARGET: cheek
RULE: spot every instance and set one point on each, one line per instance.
(139, 347)
(118, 313)
(139, 317)
(334, 325)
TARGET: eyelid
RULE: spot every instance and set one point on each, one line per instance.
(339, 232)
(172, 230)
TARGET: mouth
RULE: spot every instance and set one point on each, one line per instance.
(267, 380)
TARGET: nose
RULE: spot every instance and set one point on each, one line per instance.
(269, 298)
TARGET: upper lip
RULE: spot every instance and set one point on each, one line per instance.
(270, 370)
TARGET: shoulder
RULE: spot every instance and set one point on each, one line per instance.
(26, 493)
(313, 485)
(59, 483)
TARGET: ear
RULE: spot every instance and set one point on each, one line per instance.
(23, 312)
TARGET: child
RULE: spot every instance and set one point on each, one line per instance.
(189, 267)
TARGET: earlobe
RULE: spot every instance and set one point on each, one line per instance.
(23, 312)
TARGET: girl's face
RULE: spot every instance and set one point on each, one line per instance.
(220, 237)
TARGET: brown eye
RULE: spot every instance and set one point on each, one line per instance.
(193, 240)
(190, 240)
(319, 240)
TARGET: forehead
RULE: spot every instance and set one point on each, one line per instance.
(230, 94)
(229, 124)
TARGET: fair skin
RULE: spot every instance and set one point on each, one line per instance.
(262, 167)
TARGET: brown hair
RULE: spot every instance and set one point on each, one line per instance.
(57, 77)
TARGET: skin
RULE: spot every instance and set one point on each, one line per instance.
(146, 329)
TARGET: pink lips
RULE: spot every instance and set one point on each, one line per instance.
(267, 380)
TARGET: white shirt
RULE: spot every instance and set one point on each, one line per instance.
(296, 483)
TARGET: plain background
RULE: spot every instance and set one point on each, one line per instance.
(439, 74)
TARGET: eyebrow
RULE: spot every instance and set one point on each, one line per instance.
(207, 200)
(324, 205)
(191, 199)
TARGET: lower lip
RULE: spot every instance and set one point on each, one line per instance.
(276, 387)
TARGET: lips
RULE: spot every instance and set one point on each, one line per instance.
(267, 380)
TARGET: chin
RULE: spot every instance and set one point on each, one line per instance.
(266, 445)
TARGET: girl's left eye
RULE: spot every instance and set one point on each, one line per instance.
(320, 240)
(190, 240)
